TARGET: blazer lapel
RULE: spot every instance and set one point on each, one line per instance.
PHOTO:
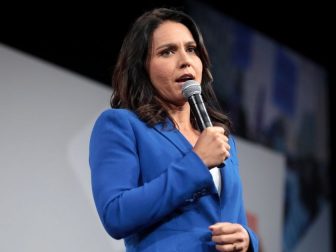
(182, 144)
(174, 136)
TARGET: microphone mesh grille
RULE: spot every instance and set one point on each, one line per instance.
(190, 88)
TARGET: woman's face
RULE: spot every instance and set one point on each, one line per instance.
(173, 61)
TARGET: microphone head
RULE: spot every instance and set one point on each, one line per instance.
(190, 88)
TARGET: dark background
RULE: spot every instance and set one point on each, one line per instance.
(86, 38)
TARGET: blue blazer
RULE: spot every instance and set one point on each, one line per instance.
(151, 189)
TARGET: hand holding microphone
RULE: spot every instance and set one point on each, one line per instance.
(212, 145)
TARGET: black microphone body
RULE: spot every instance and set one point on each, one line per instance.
(191, 90)
(199, 111)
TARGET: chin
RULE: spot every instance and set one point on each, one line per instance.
(177, 103)
(181, 103)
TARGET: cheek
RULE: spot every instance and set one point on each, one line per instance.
(199, 70)
(200, 66)
(158, 74)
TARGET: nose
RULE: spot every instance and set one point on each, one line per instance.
(185, 60)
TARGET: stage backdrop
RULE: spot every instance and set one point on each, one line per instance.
(47, 114)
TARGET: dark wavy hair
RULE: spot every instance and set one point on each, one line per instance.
(132, 88)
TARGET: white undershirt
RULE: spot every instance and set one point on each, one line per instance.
(216, 176)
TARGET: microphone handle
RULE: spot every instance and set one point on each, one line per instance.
(199, 111)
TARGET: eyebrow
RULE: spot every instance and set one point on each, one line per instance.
(168, 45)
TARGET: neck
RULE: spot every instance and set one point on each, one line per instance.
(181, 117)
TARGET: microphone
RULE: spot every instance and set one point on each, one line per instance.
(192, 90)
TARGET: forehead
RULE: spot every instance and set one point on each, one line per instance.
(171, 32)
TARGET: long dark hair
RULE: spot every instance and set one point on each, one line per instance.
(131, 85)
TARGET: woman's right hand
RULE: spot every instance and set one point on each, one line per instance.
(212, 146)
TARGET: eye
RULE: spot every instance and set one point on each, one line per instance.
(167, 52)
(192, 49)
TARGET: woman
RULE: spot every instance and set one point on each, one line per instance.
(154, 174)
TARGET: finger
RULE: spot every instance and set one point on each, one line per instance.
(224, 228)
(226, 139)
(224, 145)
(229, 247)
(226, 239)
(219, 224)
(220, 135)
(219, 129)
(227, 150)
(227, 146)
(214, 131)
(222, 140)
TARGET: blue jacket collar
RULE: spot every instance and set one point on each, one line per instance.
(169, 131)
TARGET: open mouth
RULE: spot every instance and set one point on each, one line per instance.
(185, 78)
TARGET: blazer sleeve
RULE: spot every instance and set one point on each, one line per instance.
(124, 205)
(254, 242)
